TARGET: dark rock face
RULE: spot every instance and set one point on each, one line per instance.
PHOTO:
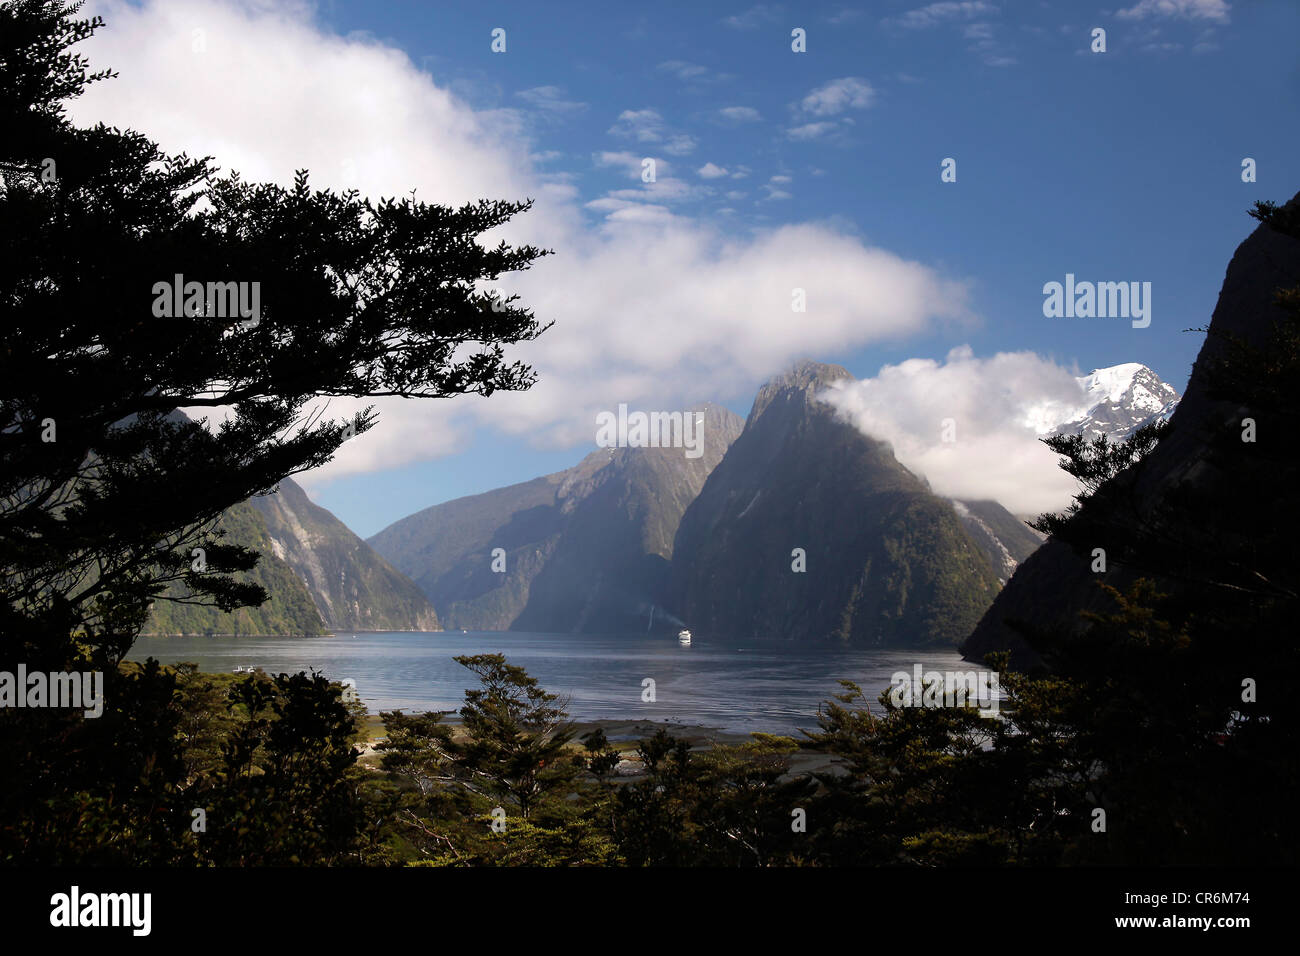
(1053, 585)
(887, 562)
(352, 586)
(584, 550)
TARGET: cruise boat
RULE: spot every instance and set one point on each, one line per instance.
(684, 638)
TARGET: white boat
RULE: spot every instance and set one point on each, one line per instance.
(684, 638)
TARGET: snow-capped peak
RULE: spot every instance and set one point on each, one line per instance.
(1109, 384)
(1113, 401)
(1119, 400)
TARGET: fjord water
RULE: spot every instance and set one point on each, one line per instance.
(736, 687)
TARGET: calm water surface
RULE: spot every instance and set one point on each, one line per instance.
(736, 687)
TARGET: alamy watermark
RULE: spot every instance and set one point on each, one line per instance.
(82, 690)
(945, 689)
(651, 430)
(1102, 300)
(225, 300)
(76, 909)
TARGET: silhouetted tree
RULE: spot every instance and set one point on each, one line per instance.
(107, 494)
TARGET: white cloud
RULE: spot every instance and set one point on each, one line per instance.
(946, 12)
(650, 307)
(679, 144)
(754, 17)
(710, 171)
(630, 163)
(1216, 10)
(645, 126)
(983, 42)
(849, 92)
(999, 407)
(810, 131)
(683, 70)
(663, 189)
(847, 15)
(739, 114)
(693, 74)
(550, 100)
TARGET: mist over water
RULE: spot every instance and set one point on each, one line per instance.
(737, 687)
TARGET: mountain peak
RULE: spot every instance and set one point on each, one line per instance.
(1109, 384)
(807, 373)
(1113, 401)
(804, 376)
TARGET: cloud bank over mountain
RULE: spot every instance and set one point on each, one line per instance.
(653, 306)
(972, 426)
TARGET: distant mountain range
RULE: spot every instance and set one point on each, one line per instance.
(791, 523)
(585, 549)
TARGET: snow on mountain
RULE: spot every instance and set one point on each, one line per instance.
(1114, 402)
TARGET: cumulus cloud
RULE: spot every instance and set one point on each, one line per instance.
(651, 307)
(849, 92)
(999, 408)
(710, 171)
(1214, 10)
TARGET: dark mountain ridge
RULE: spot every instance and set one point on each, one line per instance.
(886, 561)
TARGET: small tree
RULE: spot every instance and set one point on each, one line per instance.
(515, 733)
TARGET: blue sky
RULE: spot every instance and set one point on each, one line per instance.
(1115, 166)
